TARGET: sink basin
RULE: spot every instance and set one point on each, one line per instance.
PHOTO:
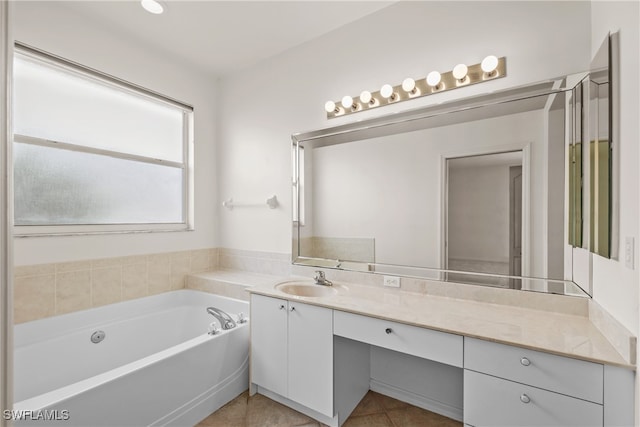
(308, 289)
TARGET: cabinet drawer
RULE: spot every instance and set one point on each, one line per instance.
(491, 401)
(564, 375)
(437, 346)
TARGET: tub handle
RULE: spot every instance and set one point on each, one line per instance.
(241, 318)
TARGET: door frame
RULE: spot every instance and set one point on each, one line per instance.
(6, 213)
(525, 147)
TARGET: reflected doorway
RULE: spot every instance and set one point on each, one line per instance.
(484, 218)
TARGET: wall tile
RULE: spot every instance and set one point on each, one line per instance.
(34, 270)
(78, 285)
(213, 258)
(134, 281)
(33, 297)
(159, 273)
(200, 261)
(106, 262)
(73, 291)
(134, 259)
(180, 267)
(73, 266)
(106, 286)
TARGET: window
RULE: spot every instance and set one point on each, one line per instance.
(96, 154)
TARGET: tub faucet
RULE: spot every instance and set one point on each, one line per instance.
(321, 280)
(226, 322)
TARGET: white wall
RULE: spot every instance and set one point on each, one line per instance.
(478, 220)
(261, 107)
(390, 188)
(615, 287)
(51, 27)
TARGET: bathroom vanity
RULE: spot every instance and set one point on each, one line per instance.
(519, 366)
(509, 189)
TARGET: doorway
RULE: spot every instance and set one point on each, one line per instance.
(484, 218)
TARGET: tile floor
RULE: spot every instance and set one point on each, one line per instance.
(375, 410)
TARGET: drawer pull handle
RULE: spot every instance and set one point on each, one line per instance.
(524, 398)
(525, 362)
(388, 331)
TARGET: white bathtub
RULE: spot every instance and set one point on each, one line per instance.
(156, 365)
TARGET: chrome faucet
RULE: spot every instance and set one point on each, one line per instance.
(226, 322)
(321, 280)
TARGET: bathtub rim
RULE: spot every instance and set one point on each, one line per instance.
(59, 395)
(32, 332)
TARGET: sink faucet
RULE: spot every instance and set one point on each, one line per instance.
(321, 280)
(226, 322)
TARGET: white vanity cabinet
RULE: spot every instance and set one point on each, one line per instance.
(512, 386)
(292, 351)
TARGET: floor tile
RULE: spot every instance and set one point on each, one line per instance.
(371, 420)
(375, 410)
(414, 416)
(389, 403)
(370, 404)
(233, 414)
(263, 412)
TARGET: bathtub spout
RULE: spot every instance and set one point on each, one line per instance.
(226, 322)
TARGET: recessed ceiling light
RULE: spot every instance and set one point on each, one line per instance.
(152, 6)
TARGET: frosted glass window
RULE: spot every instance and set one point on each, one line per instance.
(54, 186)
(62, 105)
(93, 153)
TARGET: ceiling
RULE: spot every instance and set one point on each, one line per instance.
(220, 37)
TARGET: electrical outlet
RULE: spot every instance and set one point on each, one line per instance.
(629, 255)
(392, 281)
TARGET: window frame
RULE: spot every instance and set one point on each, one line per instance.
(187, 164)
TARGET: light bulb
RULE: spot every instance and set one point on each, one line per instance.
(489, 64)
(365, 97)
(460, 71)
(347, 101)
(152, 6)
(386, 91)
(330, 107)
(433, 78)
(408, 84)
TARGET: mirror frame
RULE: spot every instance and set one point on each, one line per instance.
(407, 121)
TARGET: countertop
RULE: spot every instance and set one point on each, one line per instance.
(562, 334)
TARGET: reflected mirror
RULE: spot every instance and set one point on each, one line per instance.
(494, 190)
(472, 191)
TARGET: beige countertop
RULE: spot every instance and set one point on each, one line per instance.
(566, 335)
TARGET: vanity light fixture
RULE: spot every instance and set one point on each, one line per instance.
(347, 103)
(460, 72)
(330, 107)
(152, 6)
(462, 75)
(409, 86)
(433, 79)
(386, 91)
(489, 64)
(366, 98)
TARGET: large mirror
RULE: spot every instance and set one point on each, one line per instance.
(475, 191)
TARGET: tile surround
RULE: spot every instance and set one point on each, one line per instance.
(45, 290)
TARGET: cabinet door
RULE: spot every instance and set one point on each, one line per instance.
(311, 357)
(269, 343)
